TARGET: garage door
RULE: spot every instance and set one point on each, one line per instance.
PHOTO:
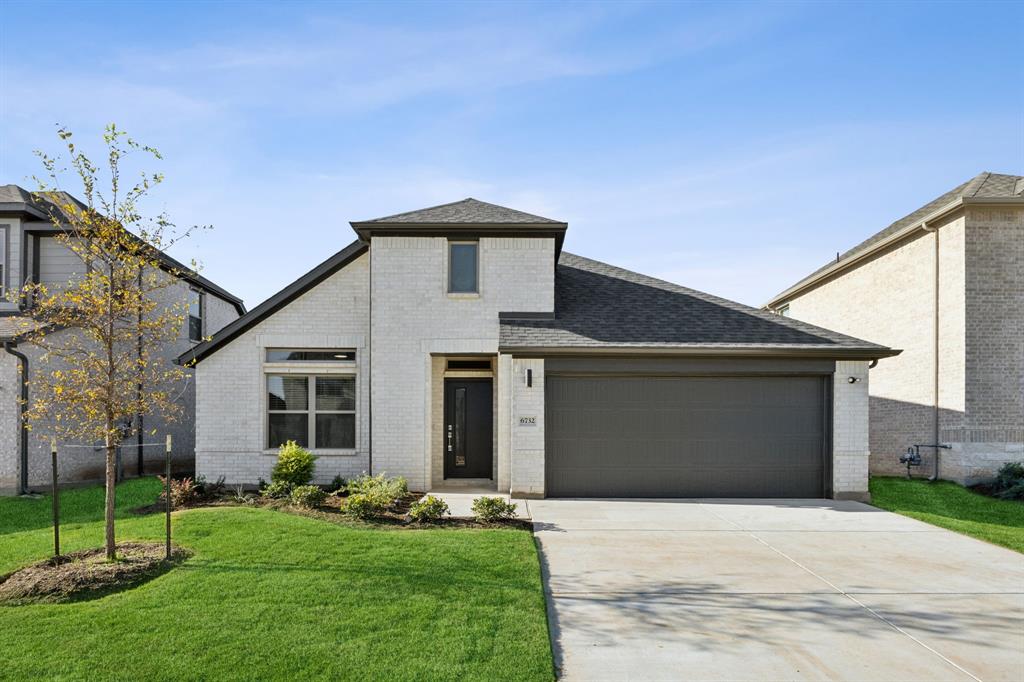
(629, 436)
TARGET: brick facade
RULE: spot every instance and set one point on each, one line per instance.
(889, 299)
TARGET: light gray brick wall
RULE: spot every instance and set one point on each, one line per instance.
(10, 393)
(850, 443)
(231, 385)
(527, 443)
(413, 318)
(889, 299)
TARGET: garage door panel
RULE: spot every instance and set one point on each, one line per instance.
(685, 436)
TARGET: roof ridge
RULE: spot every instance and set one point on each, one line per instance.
(426, 208)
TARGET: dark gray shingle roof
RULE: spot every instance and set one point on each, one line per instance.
(602, 306)
(984, 185)
(468, 211)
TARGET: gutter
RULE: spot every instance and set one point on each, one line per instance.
(850, 261)
(698, 352)
(10, 346)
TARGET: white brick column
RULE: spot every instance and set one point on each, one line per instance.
(527, 425)
(850, 447)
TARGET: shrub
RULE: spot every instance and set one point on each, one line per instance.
(379, 485)
(239, 496)
(294, 465)
(277, 490)
(363, 506)
(490, 509)
(210, 491)
(183, 491)
(308, 496)
(337, 484)
(428, 509)
(1009, 483)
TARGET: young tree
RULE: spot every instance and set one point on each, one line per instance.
(101, 331)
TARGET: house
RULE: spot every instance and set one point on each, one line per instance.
(459, 345)
(29, 253)
(946, 284)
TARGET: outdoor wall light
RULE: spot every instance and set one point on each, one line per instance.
(852, 380)
(529, 378)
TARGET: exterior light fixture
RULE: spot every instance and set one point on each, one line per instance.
(529, 378)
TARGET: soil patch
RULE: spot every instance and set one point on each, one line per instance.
(87, 573)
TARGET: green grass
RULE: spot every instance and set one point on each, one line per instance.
(270, 595)
(954, 507)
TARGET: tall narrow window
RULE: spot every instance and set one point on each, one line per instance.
(463, 268)
(196, 312)
(3, 260)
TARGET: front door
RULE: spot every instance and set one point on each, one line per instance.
(468, 428)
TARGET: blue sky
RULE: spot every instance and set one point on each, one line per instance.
(731, 148)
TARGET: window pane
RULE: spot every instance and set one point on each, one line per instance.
(285, 427)
(195, 328)
(288, 393)
(335, 393)
(462, 268)
(195, 303)
(335, 431)
(277, 355)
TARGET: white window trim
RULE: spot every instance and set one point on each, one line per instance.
(202, 316)
(310, 370)
(5, 244)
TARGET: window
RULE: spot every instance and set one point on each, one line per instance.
(3, 259)
(469, 364)
(462, 268)
(196, 312)
(313, 411)
(286, 355)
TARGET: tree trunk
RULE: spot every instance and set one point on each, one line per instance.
(109, 515)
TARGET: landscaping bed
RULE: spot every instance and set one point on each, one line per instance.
(87, 572)
(952, 506)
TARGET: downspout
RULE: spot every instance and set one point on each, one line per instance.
(369, 364)
(935, 350)
(9, 346)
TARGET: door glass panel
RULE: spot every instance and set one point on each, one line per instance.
(460, 427)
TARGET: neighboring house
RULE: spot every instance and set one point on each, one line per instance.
(945, 284)
(28, 252)
(458, 345)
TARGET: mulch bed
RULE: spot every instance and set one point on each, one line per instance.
(87, 573)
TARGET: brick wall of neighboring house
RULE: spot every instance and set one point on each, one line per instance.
(9, 421)
(414, 318)
(889, 299)
(993, 427)
(231, 412)
(79, 464)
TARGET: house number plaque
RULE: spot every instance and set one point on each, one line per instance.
(527, 421)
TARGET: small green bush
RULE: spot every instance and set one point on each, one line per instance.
(428, 509)
(337, 484)
(294, 465)
(363, 506)
(308, 496)
(488, 509)
(1009, 483)
(379, 485)
(277, 490)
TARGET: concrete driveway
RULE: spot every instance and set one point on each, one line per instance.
(774, 590)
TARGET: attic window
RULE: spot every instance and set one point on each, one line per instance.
(469, 365)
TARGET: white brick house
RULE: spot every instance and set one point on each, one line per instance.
(945, 284)
(458, 345)
(28, 252)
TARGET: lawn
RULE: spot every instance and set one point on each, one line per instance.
(954, 507)
(270, 595)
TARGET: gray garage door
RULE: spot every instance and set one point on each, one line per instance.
(685, 436)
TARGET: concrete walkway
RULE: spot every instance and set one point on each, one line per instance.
(774, 590)
(460, 500)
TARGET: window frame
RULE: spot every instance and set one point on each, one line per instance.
(476, 267)
(311, 410)
(5, 247)
(202, 315)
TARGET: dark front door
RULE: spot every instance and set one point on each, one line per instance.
(468, 428)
